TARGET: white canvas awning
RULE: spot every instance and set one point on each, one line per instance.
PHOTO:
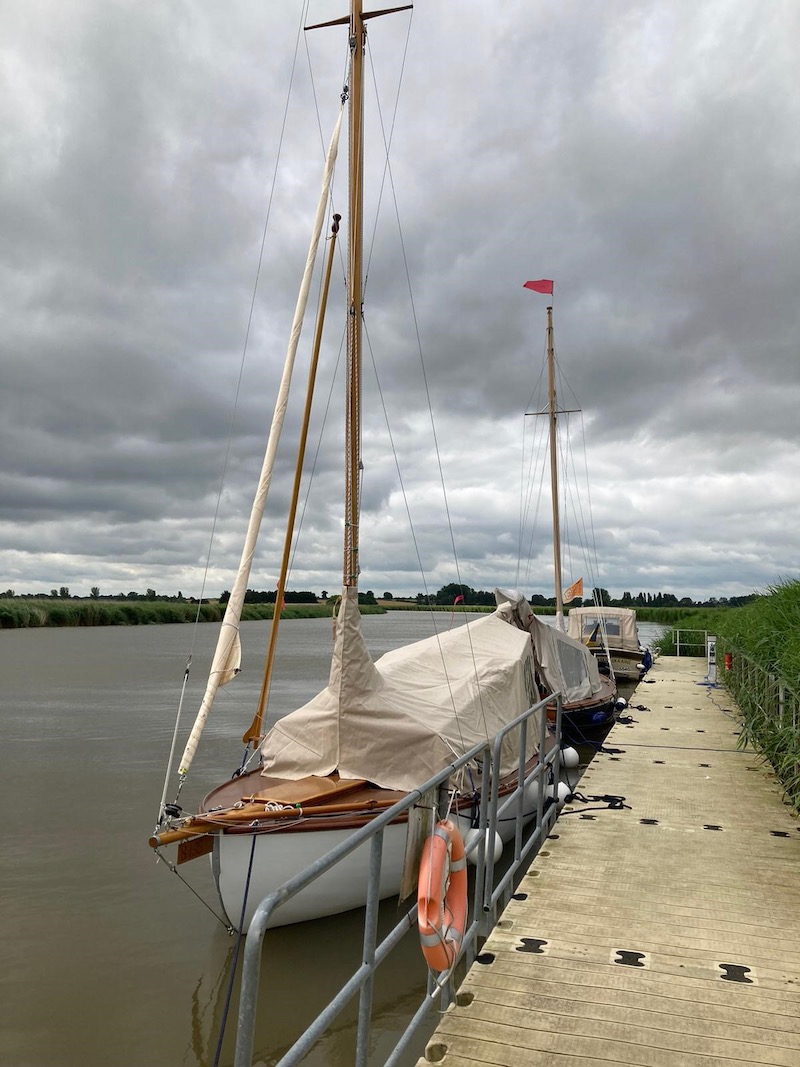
(619, 625)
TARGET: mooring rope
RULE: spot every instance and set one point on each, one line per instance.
(601, 801)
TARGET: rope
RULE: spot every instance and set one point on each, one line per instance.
(235, 959)
(602, 801)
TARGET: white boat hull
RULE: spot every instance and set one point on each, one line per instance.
(280, 856)
(277, 857)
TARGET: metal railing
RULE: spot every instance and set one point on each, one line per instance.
(690, 642)
(488, 899)
(759, 693)
(770, 715)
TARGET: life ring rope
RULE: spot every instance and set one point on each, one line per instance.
(442, 896)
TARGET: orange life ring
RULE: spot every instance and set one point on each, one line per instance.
(442, 896)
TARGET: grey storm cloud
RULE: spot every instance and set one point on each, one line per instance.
(643, 155)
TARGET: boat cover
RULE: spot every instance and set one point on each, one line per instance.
(564, 665)
(398, 721)
(619, 625)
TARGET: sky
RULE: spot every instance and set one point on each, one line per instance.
(645, 156)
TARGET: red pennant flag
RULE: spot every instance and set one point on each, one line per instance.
(544, 285)
(458, 600)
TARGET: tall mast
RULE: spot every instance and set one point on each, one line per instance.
(551, 384)
(352, 491)
(354, 297)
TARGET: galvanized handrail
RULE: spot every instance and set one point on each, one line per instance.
(485, 901)
(702, 644)
(760, 691)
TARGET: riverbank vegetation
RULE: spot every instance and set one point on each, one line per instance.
(763, 641)
(26, 612)
(758, 661)
(61, 608)
(643, 603)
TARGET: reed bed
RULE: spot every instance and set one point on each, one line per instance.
(758, 661)
(693, 629)
(763, 642)
(19, 612)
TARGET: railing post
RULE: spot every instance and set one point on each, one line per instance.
(248, 995)
(368, 957)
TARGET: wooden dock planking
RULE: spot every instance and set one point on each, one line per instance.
(617, 945)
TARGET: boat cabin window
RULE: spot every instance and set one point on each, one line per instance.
(590, 625)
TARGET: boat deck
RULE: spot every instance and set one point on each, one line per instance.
(660, 934)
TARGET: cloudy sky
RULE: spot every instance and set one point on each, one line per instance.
(644, 155)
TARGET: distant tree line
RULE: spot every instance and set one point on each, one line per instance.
(450, 594)
(63, 593)
(463, 594)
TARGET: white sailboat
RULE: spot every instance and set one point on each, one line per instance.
(378, 729)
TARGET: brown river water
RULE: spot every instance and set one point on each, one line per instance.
(107, 958)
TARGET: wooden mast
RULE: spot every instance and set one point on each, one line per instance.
(551, 383)
(352, 493)
(354, 297)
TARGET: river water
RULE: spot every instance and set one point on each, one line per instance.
(108, 958)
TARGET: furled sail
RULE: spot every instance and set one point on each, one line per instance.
(227, 657)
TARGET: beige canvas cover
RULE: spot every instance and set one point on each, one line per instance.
(567, 665)
(619, 625)
(398, 721)
(564, 665)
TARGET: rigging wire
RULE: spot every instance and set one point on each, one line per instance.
(389, 179)
(248, 759)
(575, 505)
(174, 870)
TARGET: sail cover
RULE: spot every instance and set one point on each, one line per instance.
(398, 721)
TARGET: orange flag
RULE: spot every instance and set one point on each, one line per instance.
(575, 590)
